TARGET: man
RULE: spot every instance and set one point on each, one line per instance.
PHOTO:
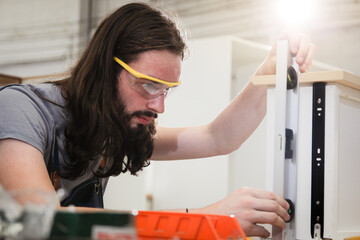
(100, 121)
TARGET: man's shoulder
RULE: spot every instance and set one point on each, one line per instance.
(23, 95)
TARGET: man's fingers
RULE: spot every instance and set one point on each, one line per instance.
(268, 218)
(294, 43)
(256, 206)
(273, 207)
(308, 60)
(270, 202)
(300, 46)
(293, 38)
(258, 231)
(258, 193)
(304, 47)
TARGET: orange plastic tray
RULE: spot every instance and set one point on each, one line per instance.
(188, 226)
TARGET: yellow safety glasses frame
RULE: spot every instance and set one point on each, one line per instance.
(140, 75)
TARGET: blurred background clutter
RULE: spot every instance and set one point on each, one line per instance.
(40, 36)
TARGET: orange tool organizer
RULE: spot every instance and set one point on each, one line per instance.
(187, 226)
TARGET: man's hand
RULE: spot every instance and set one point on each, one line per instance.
(252, 207)
(300, 46)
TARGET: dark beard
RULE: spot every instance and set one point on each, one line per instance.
(134, 147)
(141, 131)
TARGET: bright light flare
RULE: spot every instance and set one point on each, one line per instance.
(296, 13)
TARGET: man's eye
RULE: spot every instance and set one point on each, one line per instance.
(150, 88)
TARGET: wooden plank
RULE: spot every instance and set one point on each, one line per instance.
(7, 79)
(44, 78)
(340, 77)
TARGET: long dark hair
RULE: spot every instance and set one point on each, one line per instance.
(95, 128)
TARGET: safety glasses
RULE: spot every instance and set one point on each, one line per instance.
(146, 86)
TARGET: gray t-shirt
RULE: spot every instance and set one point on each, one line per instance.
(27, 117)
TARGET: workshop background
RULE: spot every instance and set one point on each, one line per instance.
(228, 39)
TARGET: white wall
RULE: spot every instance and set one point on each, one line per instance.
(247, 164)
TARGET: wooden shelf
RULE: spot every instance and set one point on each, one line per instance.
(7, 79)
(340, 77)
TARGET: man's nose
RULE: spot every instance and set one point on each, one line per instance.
(157, 104)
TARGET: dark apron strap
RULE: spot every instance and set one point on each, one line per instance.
(87, 194)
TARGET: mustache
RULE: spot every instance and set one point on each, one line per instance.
(144, 113)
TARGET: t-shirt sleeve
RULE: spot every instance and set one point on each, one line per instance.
(21, 118)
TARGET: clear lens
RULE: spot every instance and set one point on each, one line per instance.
(146, 88)
(153, 89)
